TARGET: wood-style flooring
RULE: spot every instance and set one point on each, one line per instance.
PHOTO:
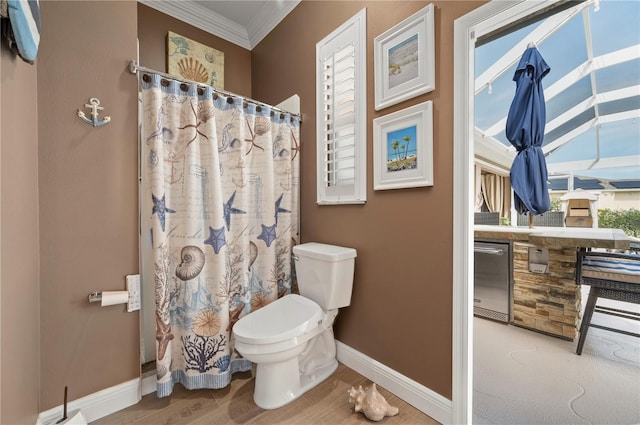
(328, 403)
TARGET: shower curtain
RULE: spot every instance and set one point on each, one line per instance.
(219, 208)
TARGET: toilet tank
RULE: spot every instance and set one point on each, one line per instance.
(325, 273)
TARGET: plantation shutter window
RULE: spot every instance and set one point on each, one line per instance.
(341, 120)
(339, 107)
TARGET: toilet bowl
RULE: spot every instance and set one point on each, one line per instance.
(291, 340)
(279, 338)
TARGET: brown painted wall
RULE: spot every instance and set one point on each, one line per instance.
(401, 308)
(152, 35)
(88, 196)
(19, 285)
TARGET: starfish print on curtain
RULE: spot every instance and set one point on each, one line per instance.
(160, 208)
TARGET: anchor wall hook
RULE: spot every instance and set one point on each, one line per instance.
(94, 105)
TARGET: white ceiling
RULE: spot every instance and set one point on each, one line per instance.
(242, 22)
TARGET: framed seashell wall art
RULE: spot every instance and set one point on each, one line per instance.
(193, 61)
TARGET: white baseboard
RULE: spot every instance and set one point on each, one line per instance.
(99, 404)
(417, 395)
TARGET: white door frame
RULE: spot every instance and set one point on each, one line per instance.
(467, 29)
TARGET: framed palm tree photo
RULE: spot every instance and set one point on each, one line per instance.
(403, 148)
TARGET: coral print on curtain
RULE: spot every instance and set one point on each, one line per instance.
(220, 205)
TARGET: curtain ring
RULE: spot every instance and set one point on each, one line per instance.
(215, 96)
(184, 87)
(258, 108)
(230, 100)
(200, 91)
(164, 83)
(146, 78)
(245, 104)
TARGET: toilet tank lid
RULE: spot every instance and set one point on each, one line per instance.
(323, 251)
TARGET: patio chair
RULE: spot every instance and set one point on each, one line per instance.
(613, 276)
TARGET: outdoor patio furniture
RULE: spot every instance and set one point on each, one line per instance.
(547, 219)
(492, 218)
(612, 276)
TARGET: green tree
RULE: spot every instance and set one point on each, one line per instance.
(627, 220)
(394, 146)
(406, 139)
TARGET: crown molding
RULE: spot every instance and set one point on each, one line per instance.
(203, 18)
(200, 17)
(269, 16)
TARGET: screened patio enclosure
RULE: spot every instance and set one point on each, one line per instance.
(592, 134)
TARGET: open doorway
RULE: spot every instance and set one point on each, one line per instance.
(492, 21)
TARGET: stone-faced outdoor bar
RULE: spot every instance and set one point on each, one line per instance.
(550, 302)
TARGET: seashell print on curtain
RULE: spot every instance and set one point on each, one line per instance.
(220, 210)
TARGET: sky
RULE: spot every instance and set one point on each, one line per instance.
(613, 27)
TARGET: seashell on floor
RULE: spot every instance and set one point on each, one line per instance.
(371, 403)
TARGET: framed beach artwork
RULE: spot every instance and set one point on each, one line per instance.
(404, 59)
(403, 148)
(193, 61)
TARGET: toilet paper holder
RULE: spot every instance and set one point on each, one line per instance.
(95, 297)
(106, 297)
(130, 296)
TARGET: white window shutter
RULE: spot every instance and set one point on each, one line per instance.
(341, 114)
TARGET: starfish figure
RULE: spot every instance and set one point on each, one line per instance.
(252, 139)
(229, 209)
(201, 117)
(279, 209)
(268, 234)
(216, 239)
(160, 208)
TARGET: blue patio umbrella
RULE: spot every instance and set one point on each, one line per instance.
(525, 130)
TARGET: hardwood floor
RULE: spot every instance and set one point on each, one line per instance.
(328, 403)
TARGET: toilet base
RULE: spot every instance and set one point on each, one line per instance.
(278, 384)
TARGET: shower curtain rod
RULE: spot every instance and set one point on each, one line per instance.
(134, 68)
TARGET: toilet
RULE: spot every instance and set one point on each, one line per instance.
(291, 340)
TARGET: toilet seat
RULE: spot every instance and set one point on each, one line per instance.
(285, 319)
